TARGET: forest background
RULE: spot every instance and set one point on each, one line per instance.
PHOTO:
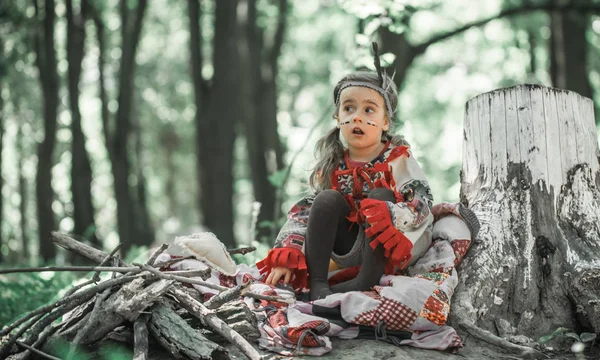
(136, 121)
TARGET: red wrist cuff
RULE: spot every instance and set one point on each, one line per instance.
(290, 258)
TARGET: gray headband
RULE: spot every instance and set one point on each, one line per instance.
(386, 100)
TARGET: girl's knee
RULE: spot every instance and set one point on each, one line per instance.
(331, 199)
(382, 194)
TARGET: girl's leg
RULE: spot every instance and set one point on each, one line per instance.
(326, 226)
(373, 261)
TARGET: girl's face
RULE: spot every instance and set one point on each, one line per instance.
(361, 117)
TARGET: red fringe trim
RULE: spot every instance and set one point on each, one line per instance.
(290, 258)
(397, 246)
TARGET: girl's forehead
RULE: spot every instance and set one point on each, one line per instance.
(360, 93)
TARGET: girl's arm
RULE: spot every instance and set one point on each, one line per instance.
(288, 251)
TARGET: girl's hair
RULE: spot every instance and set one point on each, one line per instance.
(330, 150)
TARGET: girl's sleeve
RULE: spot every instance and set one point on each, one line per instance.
(288, 250)
(399, 225)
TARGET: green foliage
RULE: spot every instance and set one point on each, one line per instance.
(566, 332)
(25, 292)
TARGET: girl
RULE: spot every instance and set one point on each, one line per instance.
(371, 206)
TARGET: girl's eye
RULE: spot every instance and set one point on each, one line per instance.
(370, 110)
(348, 108)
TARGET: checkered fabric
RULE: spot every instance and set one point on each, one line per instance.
(394, 314)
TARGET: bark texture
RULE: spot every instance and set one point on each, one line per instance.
(531, 174)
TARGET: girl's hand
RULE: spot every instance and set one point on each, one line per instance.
(277, 273)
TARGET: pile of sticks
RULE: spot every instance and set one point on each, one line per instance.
(136, 301)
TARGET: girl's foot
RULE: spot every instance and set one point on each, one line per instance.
(319, 290)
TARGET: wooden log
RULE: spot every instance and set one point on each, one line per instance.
(210, 319)
(236, 315)
(531, 175)
(182, 341)
(80, 248)
(140, 336)
(124, 305)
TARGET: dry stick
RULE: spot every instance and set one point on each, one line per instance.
(39, 352)
(226, 296)
(213, 286)
(89, 291)
(243, 251)
(21, 331)
(170, 262)
(91, 320)
(131, 270)
(155, 254)
(41, 340)
(80, 248)
(180, 278)
(140, 337)
(96, 276)
(210, 319)
(44, 323)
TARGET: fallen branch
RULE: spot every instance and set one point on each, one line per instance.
(39, 352)
(226, 296)
(87, 293)
(130, 270)
(80, 248)
(500, 342)
(155, 254)
(242, 251)
(210, 319)
(140, 338)
(96, 277)
(179, 338)
(168, 276)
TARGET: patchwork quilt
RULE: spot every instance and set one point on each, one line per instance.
(409, 309)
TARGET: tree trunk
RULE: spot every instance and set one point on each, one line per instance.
(531, 174)
(2, 75)
(145, 228)
(265, 152)
(568, 55)
(23, 194)
(216, 130)
(126, 219)
(46, 63)
(81, 170)
(405, 54)
(201, 92)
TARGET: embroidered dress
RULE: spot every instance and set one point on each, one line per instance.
(410, 218)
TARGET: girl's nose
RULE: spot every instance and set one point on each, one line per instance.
(357, 119)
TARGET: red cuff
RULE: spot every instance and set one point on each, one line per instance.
(397, 246)
(290, 258)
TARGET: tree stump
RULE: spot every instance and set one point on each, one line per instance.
(531, 174)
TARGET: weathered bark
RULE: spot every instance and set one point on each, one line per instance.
(124, 305)
(46, 63)
(131, 29)
(568, 52)
(215, 123)
(2, 75)
(531, 174)
(265, 152)
(81, 169)
(174, 334)
(140, 335)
